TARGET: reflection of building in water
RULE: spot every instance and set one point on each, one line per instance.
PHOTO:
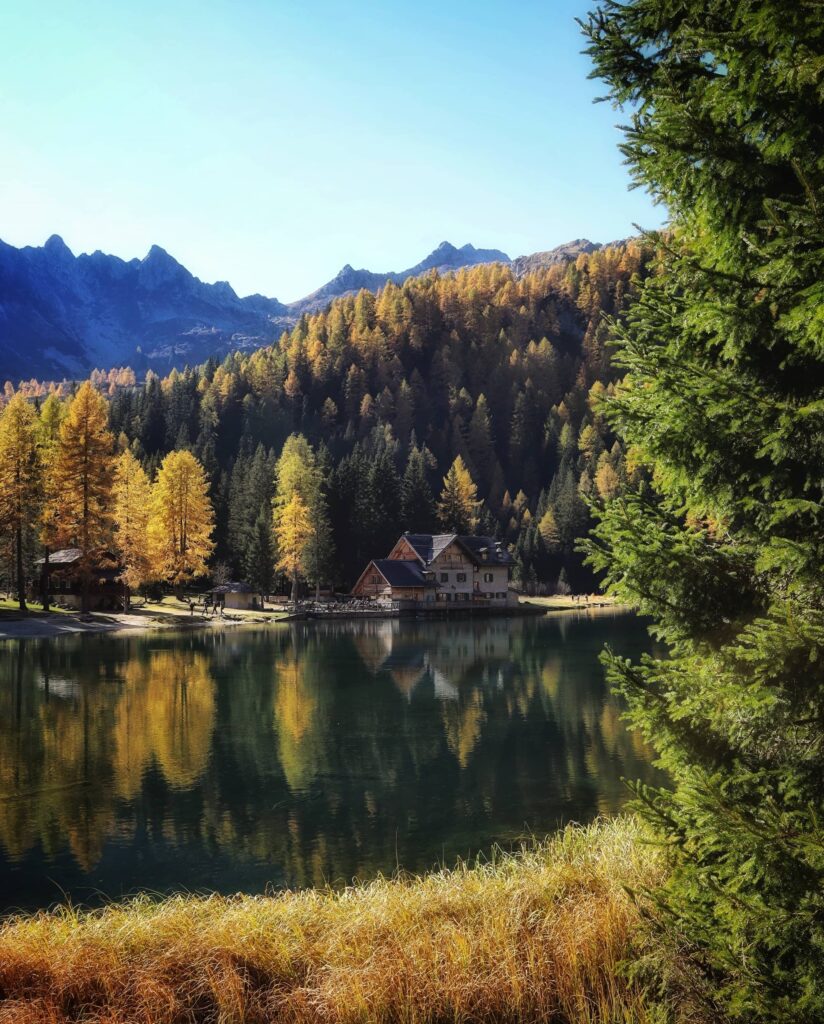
(59, 686)
(383, 647)
(446, 655)
(374, 640)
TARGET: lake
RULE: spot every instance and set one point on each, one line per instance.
(302, 754)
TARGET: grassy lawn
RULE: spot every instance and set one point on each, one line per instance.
(10, 608)
(535, 936)
(171, 607)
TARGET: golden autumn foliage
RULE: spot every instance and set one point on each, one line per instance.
(458, 506)
(82, 478)
(535, 936)
(293, 531)
(504, 367)
(181, 520)
(19, 478)
(131, 498)
(166, 715)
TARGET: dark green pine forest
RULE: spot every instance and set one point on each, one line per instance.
(507, 372)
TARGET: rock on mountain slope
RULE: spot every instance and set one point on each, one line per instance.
(62, 315)
(538, 260)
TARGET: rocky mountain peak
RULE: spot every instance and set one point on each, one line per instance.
(56, 247)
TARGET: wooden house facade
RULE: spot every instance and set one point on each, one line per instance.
(65, 579)
(425, 569)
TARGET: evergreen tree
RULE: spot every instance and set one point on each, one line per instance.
(259, 555)
(724, 401)
(417, 502)
(480, 442)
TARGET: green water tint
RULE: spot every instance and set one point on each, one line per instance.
(302, 754)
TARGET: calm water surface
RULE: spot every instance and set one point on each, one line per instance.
(301, 754)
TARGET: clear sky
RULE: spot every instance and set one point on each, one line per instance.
(268, 142)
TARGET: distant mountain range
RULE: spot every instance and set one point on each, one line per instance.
(446, 257)
(62, 315)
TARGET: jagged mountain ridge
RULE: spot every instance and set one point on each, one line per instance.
(61, 315)
(443, 259)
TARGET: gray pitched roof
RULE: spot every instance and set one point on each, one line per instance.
(398, 573)
(496, 552)
(430, 545)
(66, 556)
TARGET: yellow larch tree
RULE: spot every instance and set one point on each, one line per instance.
(293, 531)
(181, 520)
(19, 480)
(298, 474)
(607, 480)
(81, 481)
(131, 500)
(458, 505)
(52, 413)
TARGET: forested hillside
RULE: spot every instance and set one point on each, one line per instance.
(389, 390)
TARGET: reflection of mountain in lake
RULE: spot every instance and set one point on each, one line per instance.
(294, 756)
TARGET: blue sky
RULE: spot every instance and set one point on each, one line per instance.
(267, 143)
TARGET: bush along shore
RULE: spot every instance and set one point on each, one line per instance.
(539, 935)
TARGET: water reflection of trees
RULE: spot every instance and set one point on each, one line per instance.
(315, 752)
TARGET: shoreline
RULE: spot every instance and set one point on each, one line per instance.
(40, 626)
(36, 625)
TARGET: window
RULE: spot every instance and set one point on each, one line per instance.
(444, 577)
(374, 579)
(461, 577)
(488, 577)
(464, 597)
(501, 597)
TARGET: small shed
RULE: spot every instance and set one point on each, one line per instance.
(236, 594)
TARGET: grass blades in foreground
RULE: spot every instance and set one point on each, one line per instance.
(534, 936)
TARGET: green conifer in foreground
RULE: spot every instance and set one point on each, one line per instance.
(724, 401)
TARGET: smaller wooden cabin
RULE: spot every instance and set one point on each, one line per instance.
(236, 594)
(397, 580)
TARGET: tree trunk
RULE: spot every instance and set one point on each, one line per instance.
(44, 579)
(21, 583)
(294, 588)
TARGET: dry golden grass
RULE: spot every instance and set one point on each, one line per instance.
(536, 936)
